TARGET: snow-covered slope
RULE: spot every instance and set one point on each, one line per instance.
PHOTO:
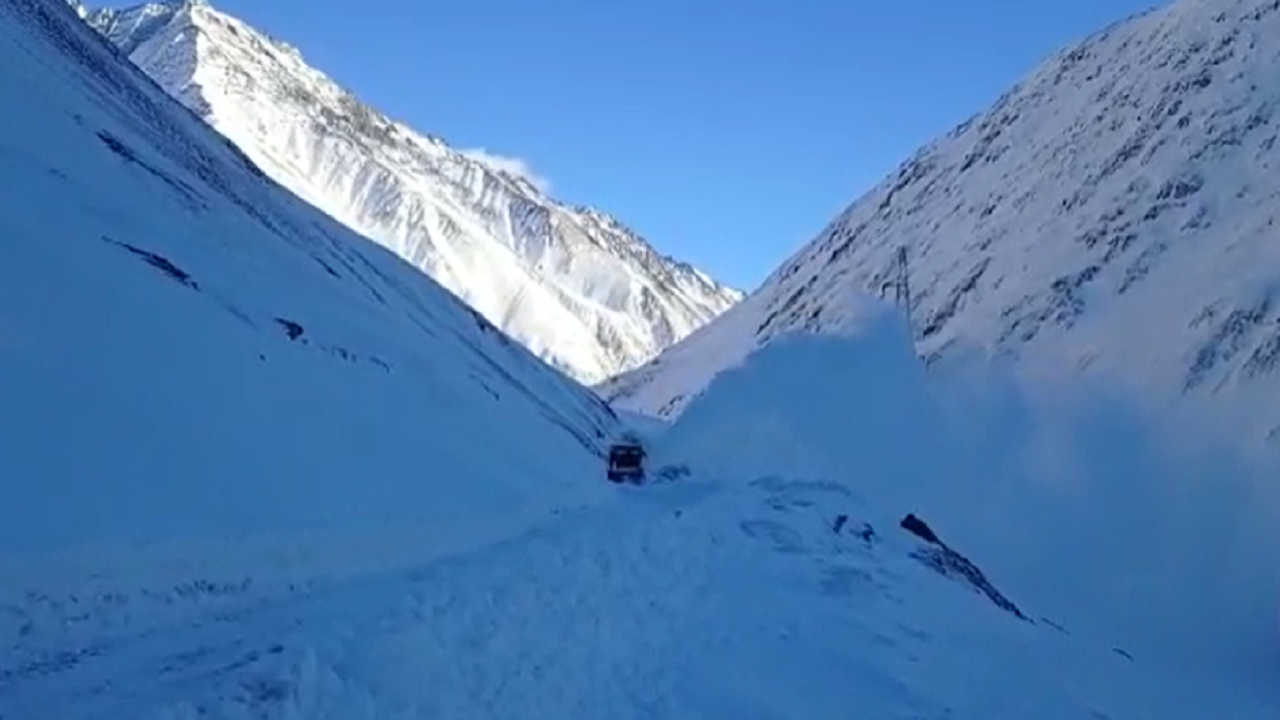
(753, 588)
(573, 284)
(1114, 214)
(202, 376)
(1097, 524)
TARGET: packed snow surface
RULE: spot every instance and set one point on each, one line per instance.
(573, 284)
(694, 600)
(1113, 215)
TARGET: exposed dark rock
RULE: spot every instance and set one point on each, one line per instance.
(952, 564)
(159, 262)
(919, 528)
(670, 473)
(1230, 338)
(118, 146)
(840, 521)
(865, 533)
(1054, 625)
(291, 328)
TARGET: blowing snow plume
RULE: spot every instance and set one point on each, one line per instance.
(1085, 510)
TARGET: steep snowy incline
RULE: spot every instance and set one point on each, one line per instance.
(572, 284)
(1112, 215)
(210, 391)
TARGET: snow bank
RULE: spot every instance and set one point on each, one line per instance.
(1093, 513)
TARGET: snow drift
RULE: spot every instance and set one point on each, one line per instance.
(1094, 514)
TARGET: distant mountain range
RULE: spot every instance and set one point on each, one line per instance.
(572, 284)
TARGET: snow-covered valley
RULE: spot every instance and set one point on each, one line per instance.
(253, 465)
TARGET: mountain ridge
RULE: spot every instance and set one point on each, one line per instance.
(1107, 216)
(589, 296)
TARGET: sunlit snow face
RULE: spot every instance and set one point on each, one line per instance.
(573, 285)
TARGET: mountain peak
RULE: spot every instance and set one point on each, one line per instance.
(582, 291)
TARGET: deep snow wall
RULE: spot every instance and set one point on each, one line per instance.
(1109, 522)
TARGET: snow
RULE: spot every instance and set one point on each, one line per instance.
(1105, 519)
(398, 512)
(680, 374)
(1112, 215)
(767, 409)
(725, 594)
(166, 447)
(672, 603)
(578, 288)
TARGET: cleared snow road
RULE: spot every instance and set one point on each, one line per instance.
(673, 601)
(588, 616)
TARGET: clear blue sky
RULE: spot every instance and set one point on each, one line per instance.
(727, 133)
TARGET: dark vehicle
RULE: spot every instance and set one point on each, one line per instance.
(626, 462)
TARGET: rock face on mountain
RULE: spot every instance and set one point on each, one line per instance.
(573, 284)
(1113, 214)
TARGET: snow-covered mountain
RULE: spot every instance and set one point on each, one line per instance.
(191, 355)
(573, 284)
(1113, 214)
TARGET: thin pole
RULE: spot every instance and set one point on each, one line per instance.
(904, 286)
